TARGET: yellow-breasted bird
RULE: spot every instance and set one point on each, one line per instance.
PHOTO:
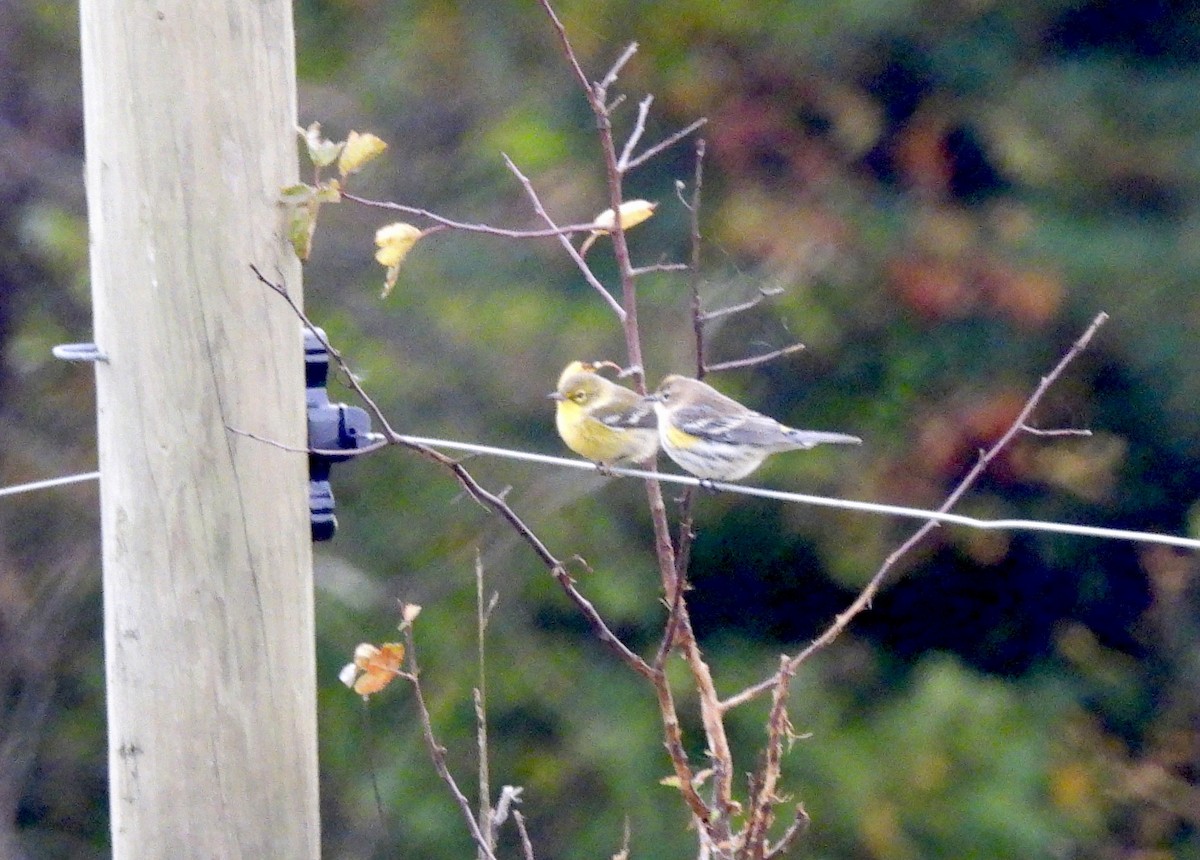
(714, 436)
(600, 420)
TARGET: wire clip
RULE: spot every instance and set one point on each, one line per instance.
(332, 427)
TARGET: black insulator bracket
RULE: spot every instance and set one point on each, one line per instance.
(332, 428)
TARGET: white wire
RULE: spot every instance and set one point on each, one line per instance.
(824, 501)
(50, 482)
(760, 492)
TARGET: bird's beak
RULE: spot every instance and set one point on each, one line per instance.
(554, 395)
(652, 397)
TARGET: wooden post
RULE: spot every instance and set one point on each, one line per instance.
(190, 113)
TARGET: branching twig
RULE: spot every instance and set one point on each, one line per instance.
(437, 752)
(754, 360)
(580, 263)
(863, 601)
(796, 828)
(666, 142)
(475, 490)
(763, 798)
(639, 128)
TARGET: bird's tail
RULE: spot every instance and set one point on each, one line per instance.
(812, 438)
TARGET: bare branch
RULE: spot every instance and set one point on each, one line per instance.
(526, 845)
(476, 491)
(1066, 431)
(580, 263)
(863, 601)
(763, 294)
(659, 267)
(763, 798)
(639, 128)
(798, 826)
(569, 52)
(481, 735)
(437, 752)
(610, 77)
(694, 285)
(754, 360)
(469, 227)
(665, 143)
(320, 452)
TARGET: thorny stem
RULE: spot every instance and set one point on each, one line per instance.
(864, 598)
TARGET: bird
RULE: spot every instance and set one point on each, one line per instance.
(716, 438)
(601, 420)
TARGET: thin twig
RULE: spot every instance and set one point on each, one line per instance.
(569, 52)
(469, 227)
(717, 829)
(638, 271)
(674, 607)
(437, 752)
(526, 844)
(1065, 431)
(764, 293)
(694, 281)
(610, 77)
(763, 798)
(665, 143)
(863, 601)
(481, 735)
(754, 360)
(639, 128)
(349, 453)
(798, 826)
(475, 490)
(580, 263)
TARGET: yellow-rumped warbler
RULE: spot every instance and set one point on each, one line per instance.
(598, 419)
(714, 436)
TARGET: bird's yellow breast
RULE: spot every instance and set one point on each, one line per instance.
(677, 438)
(586, 436)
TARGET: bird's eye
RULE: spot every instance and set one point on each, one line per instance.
(578, 396)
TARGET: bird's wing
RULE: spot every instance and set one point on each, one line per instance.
(744, 428)
(626, 416)
(752, 428)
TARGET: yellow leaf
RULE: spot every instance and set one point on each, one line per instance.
(321, 151)
(394, 241)
(301, 226)
(329, 191)
(359, 149)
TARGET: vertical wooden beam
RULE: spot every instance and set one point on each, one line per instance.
(190, 111)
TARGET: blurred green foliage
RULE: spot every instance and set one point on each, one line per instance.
(946, 191)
